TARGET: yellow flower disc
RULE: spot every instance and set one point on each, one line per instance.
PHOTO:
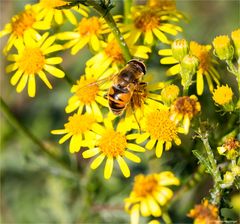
(160, 126)
(113, 51)
(31, 61)
(113, 143)
(79, 123)
(89, 26)
(222, 95)
(22, 22)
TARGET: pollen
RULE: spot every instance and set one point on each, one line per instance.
(222, 95)
(52, 4)
(31, 61)
(89, 26)
(113, 143)
(146, 20)
(113, 51)
(160, 126)
(202, 53)
(22, 22)
(78, 123)
(87, 91)
(145, 185)
(187, 106)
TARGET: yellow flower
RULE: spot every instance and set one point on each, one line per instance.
(111, 55)
(231, 148)
(47, 10)
(223, 47)
(27, 21)
(88, 31)
(222, 95)
(31, 61)
(169, 93)
(236, 41)
(78, 128)
(159, 129)
(162, 4)
(184, 109)
(150, 22)
(204, 213)
(88, 95)
(149, 194)
(112, 144)
(205, 67)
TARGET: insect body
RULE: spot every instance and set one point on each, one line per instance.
(127, 87)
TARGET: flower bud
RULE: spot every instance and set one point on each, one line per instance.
(223, 47)
(236, 41)
(222, 95)
(179, 49)
(189, 66)
(169, 93)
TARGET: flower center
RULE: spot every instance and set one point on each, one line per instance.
(32, 60)
(51, 4)
(145, 185)
(162, 4)
(79, 123)
(186, 106)
(113, 143)
(147, 20)
(202, 53)
(22, 22)
(87, 91)
(222, 95)
(113, 51)
(89, 26)
(160, 126)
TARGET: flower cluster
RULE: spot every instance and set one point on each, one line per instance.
(119, 107)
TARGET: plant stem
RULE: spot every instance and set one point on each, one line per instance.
(127, 11)
(216, 192)
(105, 13)
(234, 71)
(16, 123)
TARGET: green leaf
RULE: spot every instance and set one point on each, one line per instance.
(203, 160)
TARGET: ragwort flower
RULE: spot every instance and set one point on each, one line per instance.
(28, 22)
(205, 67)
(230, 149)
(111, 55)
(112, 144)
(184, 109)
(153, 22)
(88, 31)
(149, 194)
(222, 95)
(78, 128)
(89, 94)
(204, 213)
(31, 61)
(47, 10)
(159, 129)
(235, 35)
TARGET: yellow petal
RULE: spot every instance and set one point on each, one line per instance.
(98, 129)
(81, 43)
(44, 78)
(174, 70)
(108, 168)
(48, 42)
(160, 36)
(159, 149)
(11, 67)
(136, 148)
(53, 60)
(31, 85)
(150, 144)
(59, 132)
(168, 60)
(54, 71)
(70, 16)
(148, 38)
(165, 52)
(22, 83)
(123, 166)
(97, 162)
(53, 48)
(90, 153)
(144, 208)
(95, 42)
(15, 78)
(135, 214)
(200, 84)
(132, 157)
(65, 138)
(58, 16)
(75, 143)
(141, 138)
(154, 207)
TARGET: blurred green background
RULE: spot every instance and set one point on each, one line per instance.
(36, 189)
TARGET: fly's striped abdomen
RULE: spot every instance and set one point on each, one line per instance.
(118, 99)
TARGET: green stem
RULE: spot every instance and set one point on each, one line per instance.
(234, 71)
(216, 192)
(105, 13)
(127, 11)
(16, 123)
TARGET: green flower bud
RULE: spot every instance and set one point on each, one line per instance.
(179, 49)
(223, 48)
